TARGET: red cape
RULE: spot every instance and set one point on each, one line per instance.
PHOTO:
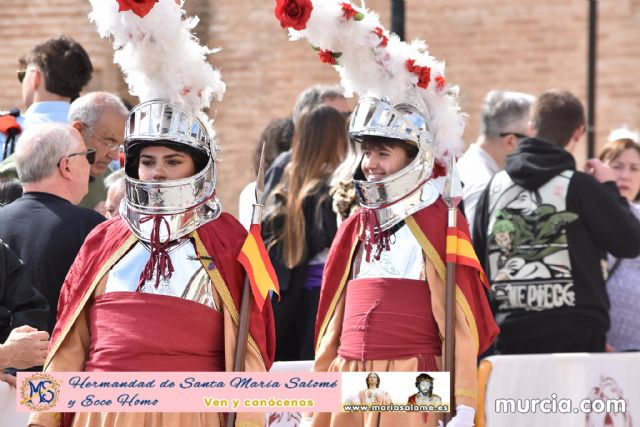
(221, 240)
(431, 234)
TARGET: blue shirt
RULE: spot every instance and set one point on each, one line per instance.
(37, 113)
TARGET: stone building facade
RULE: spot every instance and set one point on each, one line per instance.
(523, 45)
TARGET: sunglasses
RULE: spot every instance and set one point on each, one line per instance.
(516, 134)
(90, 153)
(21, 74)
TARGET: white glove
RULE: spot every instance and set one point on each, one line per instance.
(305, 421)
(465, 416)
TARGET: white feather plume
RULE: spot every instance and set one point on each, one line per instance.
(158, 54)
(367, 67)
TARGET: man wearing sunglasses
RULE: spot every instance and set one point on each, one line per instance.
(45, 227)
(100, 118)
(52, 75)
(504, 118)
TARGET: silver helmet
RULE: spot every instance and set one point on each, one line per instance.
(398, 195)
(185, 203)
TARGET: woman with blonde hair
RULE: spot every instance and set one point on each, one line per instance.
(299, 226)
(622, 155)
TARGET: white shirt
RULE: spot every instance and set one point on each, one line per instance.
(189, 280)
(245, 204)
(37, 113)
(402, 261)
(476, 168)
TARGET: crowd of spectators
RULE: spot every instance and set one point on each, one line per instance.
(542, 229)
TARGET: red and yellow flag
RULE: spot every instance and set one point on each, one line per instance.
(255, 260)
(460, 250)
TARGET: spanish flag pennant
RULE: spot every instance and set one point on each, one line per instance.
(460, 250)
(254, 258)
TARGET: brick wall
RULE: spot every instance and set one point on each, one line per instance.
(523, 45)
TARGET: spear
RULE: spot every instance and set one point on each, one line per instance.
(245, 304)
(452, 194)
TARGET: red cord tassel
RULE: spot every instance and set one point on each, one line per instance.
(370, 234)
(159, 258)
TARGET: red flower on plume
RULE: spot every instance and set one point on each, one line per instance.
(293, 13)
(139, 7)
(423, 73)
(327, 57)
(348, 11)
(383, 39)
(440, 82)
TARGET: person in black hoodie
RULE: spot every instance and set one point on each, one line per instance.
(542, 231)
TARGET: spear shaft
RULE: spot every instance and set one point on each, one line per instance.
(452, 195)
(245, 304)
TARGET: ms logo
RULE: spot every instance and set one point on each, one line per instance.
(39, 392)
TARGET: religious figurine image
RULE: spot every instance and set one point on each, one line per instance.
(425, 395)
(372, 395)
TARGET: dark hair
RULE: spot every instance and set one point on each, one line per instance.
(612, 150)
(424, 377)
(10, 190)
(556, 115)
(377, 379)
(370, 141)
(64, 64)
(277, 137)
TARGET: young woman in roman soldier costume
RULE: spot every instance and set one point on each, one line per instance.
(159, 288)
(382, 303)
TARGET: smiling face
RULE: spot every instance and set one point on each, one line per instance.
(159, 163)
(380, 160)
(627, 171)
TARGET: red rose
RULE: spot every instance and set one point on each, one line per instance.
(424, 77)
(327, 57)
(410, 64)
(383, 39)
(348, 11)
(423, 73)
(293, 13)
(139, 7)
(440, 82)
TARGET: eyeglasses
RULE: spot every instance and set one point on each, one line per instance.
(21, 74)
(90, 153)
(516, 134)
(110, 145)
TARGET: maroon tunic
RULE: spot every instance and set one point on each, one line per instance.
(389, 318)
(134, 331)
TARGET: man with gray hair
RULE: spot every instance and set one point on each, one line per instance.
(100, 118)
(504, 121)
(44, 227)
(115, 193)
